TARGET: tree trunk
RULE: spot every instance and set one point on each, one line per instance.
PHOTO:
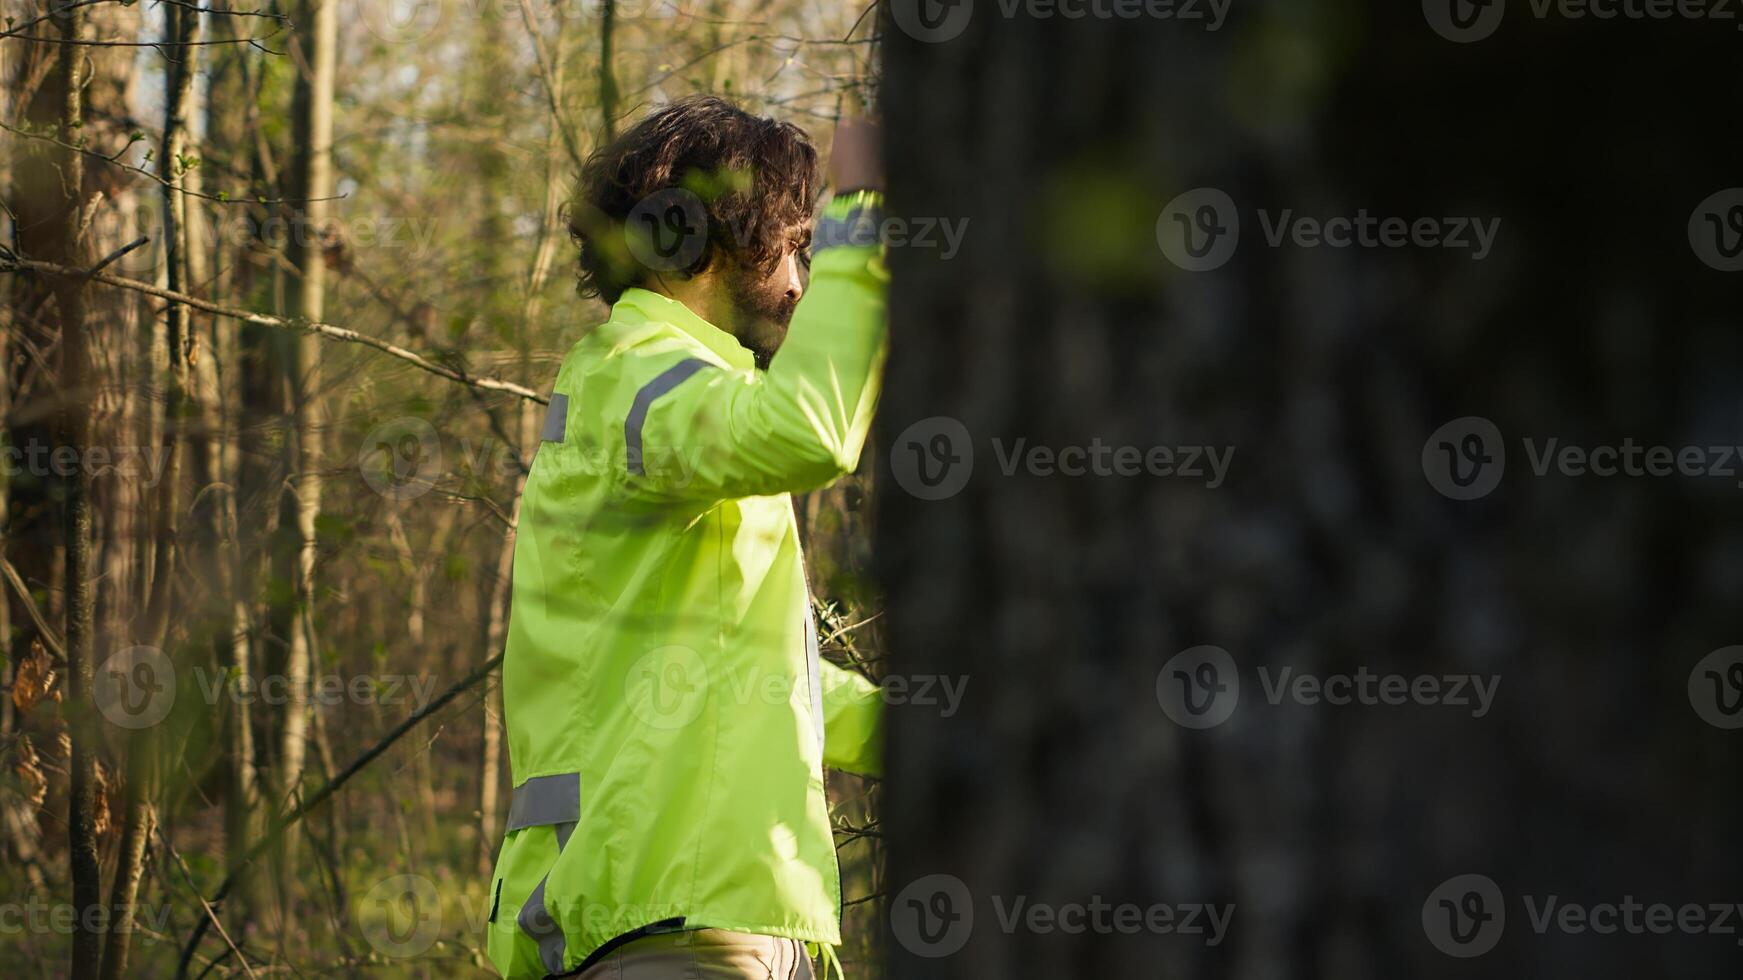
(244, 385)
(607, 72)
(314, 183)
(182, 27)
(1065, 780)
(495, 639)
(76, 396)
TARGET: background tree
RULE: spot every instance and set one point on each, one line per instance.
(1327, 549)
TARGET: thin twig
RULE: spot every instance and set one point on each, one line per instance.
(112, 256)
(207, 906)
(48, 638)
(53, 12)
(331, 787)
(328, 330)
(115, 161)
(548, 78)
(106, 43)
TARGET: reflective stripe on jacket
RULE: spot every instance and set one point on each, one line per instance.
(668, 717)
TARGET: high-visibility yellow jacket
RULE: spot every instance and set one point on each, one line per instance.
(668, 716)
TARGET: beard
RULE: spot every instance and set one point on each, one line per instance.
(761, 311)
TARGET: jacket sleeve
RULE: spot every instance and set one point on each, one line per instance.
(722, 434)
(853, 721)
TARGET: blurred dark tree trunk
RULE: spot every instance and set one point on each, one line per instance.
(228, 402)
(1061, 321)
(311, 181)
(76, 397)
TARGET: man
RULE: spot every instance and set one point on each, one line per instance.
(668, 715)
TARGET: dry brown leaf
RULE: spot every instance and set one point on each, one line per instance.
(100, 808)
(29, 769)
(34, 679)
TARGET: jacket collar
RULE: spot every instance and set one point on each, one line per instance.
(650, 306)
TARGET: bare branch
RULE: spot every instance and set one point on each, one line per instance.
(547, 76)
(49, 639)
(332, 786)
(328, 330)
(159, 178)
(204, 905)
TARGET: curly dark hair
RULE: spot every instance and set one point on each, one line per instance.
(756, 179)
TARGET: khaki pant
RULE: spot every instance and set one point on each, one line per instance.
(704, 954)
